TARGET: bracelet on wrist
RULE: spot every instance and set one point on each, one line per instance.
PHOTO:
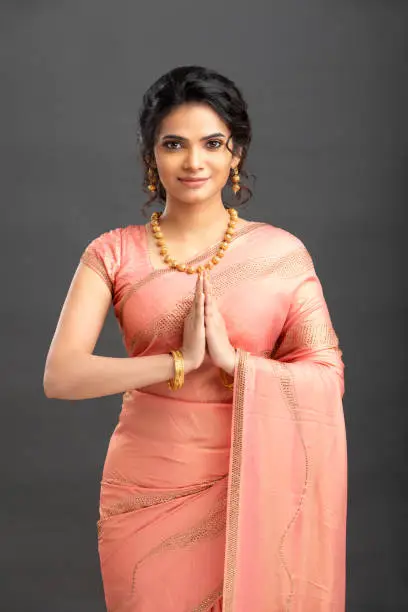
(224, 377)
(178, 381)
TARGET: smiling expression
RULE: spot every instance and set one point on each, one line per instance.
(192, 144)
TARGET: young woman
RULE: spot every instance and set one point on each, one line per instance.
(225, 481)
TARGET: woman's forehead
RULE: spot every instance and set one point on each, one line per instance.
(192, 121)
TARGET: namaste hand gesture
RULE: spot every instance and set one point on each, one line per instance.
(204, 328)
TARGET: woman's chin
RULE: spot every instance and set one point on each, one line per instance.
(193, 195)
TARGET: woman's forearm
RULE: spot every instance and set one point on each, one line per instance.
(82, 376)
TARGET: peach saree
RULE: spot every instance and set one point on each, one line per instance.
(215, 499)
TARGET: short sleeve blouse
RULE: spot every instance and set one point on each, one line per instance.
(103, 255)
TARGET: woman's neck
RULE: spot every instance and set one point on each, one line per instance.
(188, 220)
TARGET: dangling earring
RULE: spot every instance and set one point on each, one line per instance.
(152, 180)
(235, 178)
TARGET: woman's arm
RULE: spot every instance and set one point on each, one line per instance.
(72, 371)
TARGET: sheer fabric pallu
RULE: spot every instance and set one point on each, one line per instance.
(218, 499)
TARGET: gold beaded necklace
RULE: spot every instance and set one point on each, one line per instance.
(172, 263)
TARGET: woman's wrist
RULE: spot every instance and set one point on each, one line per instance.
(189, 365)
(229, 367)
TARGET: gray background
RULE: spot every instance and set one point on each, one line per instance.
(326, 84)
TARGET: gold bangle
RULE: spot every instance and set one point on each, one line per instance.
(178, 381)
(224, 378)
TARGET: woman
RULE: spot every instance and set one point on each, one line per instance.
(224, 486)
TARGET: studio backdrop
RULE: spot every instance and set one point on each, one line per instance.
(326, 84)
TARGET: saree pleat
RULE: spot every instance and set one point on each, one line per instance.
(219, 500)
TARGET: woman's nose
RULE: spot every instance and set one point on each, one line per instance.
(193, 158)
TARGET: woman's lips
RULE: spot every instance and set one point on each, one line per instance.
(193, 182)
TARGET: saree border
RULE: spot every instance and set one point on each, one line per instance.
(210, 600)
(138, 500)
(231, 547)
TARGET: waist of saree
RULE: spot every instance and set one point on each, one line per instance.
(163, 445)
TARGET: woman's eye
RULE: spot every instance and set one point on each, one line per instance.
(166, 144)
(216, 142)
(175, 146)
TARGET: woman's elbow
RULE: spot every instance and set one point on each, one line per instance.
(49, 385)
(54, 383)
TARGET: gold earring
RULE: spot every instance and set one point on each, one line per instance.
(152, 180)
(235, 178)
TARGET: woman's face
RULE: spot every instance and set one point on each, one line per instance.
(191, 144)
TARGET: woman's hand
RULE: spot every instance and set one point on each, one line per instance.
(219, 347)
(193, 347)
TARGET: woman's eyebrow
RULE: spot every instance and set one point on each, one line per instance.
(184, 139)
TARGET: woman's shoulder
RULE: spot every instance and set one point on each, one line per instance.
(119, 234)
(116, 242)
(280, 238)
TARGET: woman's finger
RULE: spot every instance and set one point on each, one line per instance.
(205, 287)
(199, 299)
(198, 289)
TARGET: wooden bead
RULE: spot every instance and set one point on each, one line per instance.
(209, 265)
(181, 267)
(220, 254)
(190, 270)
(229, 232)
(227, 238)
(224, 246)
(167, 259)
(215, 259)
(160, 242)
(164, 251)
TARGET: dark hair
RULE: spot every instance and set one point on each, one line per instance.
(193, 84)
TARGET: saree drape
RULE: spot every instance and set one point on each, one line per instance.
(218, 499)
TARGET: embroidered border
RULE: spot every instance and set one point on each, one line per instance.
(210, 600)
(209, 527)
(145, 500)
(307, 334)
(92, 261)
(234, 483)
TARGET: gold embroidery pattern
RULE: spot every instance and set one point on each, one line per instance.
(191, 262)
(168, 324)
(92, 261)
(208, 528)
(293, 264)
(289, 266)
(210, 600)
(308, 334)
(235, 477)
(139, 500)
